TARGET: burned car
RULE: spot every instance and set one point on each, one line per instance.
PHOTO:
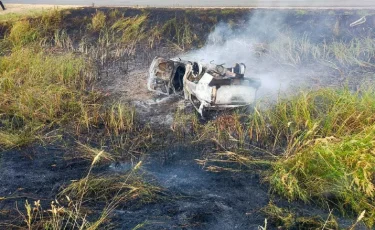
(207, 86)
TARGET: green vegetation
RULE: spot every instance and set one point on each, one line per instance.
(331, 168)
(28, 14)
(310, 115)
(47, 87)
(26, 103)
(315, 146)
(22, 33)
(180, 33)
(328, 139)
(98, 21)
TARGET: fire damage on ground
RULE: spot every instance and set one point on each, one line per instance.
(165, 159)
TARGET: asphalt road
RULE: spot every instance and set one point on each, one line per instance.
(207, 3)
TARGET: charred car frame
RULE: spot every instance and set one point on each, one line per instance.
(207, 86)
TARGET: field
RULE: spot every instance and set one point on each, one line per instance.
(84, 145)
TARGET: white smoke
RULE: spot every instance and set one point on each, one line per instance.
(229, 45)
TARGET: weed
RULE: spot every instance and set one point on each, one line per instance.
(69, 213)
(295, 51)
(309, 115)
(98, 21)
(283, 218)
(50, 78)
(332, 169)
(51, 20)
(180, 33)
(23, 33)
(119, 118)
(89, 153)
(115, 13)
(104, 188)
(10, 139)
(132, 30)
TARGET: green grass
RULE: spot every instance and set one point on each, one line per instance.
(326, 141)
(179, 32)
(22, 33)
(131, 28)
(339, 171)
(317, 146)
(98, 21)
(50, 78)
(61, 79)
(33, 13)
(310, 115)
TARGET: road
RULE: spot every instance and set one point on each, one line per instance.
(207, 3)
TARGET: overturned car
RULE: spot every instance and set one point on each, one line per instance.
(207, 86)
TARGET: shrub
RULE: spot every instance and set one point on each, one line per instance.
(23, 33)
(98, 21)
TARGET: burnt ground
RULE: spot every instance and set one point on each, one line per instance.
(200, 199)
(194, 198)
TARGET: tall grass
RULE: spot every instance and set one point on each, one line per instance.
(317, 145)
(179, 32)
(23, 33)
(131, 28)
(326, 138)
(284, 218)
(358, 52)
(339, 171)
(98, 21)
(41, 87)
(41, 90)
(310, 115)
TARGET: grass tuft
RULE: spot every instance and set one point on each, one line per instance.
(98, 21)
(284, 218)
(337, 171)
(61, 79)
(22, 33)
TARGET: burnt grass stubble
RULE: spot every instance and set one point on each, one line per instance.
(193, 198)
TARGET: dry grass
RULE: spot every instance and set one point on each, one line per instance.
(318, 146)
(332, 169)
(71, 210)
(289, 50)
(60, 79)
(98, 21)
(89, 153)
(283, 218)
(103, 188)
(22, 33)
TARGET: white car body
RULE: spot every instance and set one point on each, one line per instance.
(207, 86)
